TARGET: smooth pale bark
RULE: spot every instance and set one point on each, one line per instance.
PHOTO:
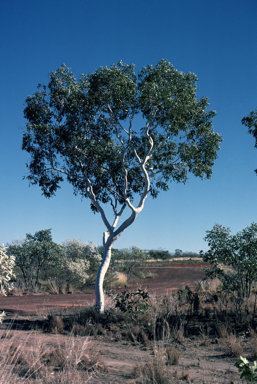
(108, 241)
(101, 274)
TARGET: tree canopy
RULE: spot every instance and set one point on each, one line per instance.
(34, 254)
(82, 129)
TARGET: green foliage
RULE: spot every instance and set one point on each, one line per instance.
(36, 254)
(110, 292)
(132, 255)
(133, 303)
(139, 274)
(76, 250)
(250, 121)
(80, 263)
(82, 130)
(185, 294)
(178, 252)
(233, 258)
(159, 254)
(248, 372)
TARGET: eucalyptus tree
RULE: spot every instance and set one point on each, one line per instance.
(235, 251)
(117, 137)
(36, 254)
(250, 121)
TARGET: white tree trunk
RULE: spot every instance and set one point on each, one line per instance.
(107, 243)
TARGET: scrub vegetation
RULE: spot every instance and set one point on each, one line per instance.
(171, 336)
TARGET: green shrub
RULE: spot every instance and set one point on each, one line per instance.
(248, 372)
(233, 258)
(133, 303)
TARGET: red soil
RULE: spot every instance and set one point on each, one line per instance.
(168, 279)
(165, 280)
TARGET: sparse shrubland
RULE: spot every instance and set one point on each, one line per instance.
(72, 266)
(42, 265)
(161, 325)
(219, 311)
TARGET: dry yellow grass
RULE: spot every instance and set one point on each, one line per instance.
(121, 280)
(29, 358)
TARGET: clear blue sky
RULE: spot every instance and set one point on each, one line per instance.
(215, 39)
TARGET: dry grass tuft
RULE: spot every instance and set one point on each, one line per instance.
(55, 358)
(253, 344)
(178, 333)
(121, 281)
(91, 363)
(29, 360)
(6, 335)
(63, 289)
(231, 346)
(172, 355)
(78, 330)
(222, 331)
(52, 287)
(55, 324)
(153, 372)
(21, 363)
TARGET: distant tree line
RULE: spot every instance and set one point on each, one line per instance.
(38, 259)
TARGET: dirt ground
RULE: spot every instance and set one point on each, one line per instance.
(200, 362)
(165, 280)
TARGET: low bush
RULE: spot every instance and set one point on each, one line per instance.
(248, 372)
(133, 303)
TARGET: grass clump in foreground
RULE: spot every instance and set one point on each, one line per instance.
(154, 371)
(30, 359)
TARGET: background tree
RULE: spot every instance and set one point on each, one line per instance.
(81, 264)
(35, 254)
(178, 253)
(237, 252)
(250, 121)
(159, 254)
(76, 249)
(7, 263)
(82, 130)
